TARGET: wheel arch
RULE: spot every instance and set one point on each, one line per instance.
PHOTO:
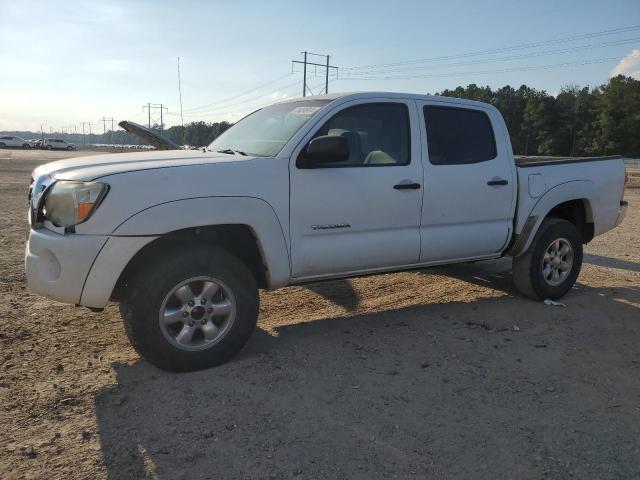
(238, 239)
(571, 201)
(247, 227)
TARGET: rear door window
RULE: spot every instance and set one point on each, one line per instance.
(458, 136)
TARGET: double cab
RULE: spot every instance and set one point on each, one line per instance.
(307, 189)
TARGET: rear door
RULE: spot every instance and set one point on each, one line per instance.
(362, 214)
(470, 184)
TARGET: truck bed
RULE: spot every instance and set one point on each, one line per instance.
(524, 161)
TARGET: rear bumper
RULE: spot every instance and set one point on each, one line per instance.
(622, 211)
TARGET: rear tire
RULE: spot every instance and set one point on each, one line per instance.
(551, 265)
(49, 147)
(69, 148)
(155, 326)
(26, 146)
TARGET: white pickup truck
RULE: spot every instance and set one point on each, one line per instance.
(308, 189)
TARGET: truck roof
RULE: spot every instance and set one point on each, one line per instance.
(398, 95)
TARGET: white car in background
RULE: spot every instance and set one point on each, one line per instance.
(57, 144)
(15, 142)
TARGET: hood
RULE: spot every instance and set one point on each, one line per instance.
(96, 166)
(150, 136)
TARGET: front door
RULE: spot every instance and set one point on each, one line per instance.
(364, 213)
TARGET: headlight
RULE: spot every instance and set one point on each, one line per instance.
(69, 203)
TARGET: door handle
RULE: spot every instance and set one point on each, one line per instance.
(407, 186)
(498, 181)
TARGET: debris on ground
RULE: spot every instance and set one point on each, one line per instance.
(553, 303)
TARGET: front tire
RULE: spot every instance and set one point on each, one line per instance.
(192, 310)
(552, 263)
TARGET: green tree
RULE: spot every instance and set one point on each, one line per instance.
(617, 123)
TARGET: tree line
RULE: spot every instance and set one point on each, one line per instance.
(576, 122)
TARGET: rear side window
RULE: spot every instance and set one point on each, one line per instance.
(458, 136)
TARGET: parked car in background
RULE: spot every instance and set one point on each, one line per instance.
(57, 144)
(15, 142)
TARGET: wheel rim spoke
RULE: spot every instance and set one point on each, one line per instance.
(186, 335)
(184, 294)
(221, 308)
(209, 289)
(172, 315)
(210, 330)
(565, 266)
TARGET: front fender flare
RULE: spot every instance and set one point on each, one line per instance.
(153, 222)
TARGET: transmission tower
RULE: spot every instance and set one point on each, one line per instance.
(306, 62)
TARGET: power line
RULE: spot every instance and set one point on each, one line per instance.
(520, 46)
(224, 107)
(242, 112)
(224, 100)
(505, 70)
(501, 59)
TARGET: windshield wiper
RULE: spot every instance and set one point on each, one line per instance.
(232, 152)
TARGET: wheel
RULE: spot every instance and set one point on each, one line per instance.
(69, 148)
(2, 145)
(552, 263)
(193, 310)
(48, 147)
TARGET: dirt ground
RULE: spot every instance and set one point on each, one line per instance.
(439, 373)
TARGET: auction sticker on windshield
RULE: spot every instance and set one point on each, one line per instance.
(304, 111)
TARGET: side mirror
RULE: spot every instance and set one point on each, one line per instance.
(325, 149)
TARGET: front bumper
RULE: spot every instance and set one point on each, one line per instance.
(78, 269)
(57, 265)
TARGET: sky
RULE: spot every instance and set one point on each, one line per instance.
(67, 62)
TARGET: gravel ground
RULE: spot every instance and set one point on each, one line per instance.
(439, 373)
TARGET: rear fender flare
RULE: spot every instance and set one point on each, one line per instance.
(564, 192)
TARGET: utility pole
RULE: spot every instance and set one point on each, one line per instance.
(326, 66)
(156, 106)
(104, 124)
(304, 81)
(148, 107)
(84, 139)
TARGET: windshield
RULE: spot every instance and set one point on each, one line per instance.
(266, 131)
